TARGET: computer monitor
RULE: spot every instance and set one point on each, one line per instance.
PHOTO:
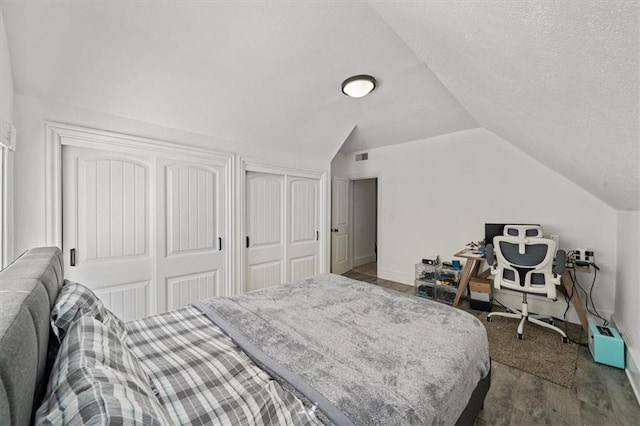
(495, 229)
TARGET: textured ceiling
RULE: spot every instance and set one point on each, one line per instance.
(263, 73)
(557, 79)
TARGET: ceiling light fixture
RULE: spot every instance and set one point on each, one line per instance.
(358, 85)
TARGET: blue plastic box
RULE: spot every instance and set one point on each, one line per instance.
(606, 345)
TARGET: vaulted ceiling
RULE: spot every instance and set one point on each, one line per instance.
(559, 80)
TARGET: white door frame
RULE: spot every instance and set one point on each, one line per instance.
(58, 134)
(7, 148)
(254, 165)
(360, 176)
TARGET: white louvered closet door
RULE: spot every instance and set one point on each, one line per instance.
(107, 219)
(190, 229)
(264, 227)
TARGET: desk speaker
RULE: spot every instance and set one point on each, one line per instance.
(606, 345)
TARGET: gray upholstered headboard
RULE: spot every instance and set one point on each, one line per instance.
(28, 290)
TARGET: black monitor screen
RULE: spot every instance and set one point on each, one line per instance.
(495, 229)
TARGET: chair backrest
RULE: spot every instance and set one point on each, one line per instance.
(524, 261)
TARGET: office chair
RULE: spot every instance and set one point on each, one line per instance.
(522, 260)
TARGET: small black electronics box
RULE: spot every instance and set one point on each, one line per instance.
(431, 260)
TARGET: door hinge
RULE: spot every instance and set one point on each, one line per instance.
(247, 242)
(317, 236)
(219, 244)
(72, 257)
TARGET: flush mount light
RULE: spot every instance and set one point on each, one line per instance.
(358, 85)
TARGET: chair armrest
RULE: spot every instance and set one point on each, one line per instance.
(561, 258)
(489, 255)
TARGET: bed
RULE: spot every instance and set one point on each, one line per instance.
(326, 350)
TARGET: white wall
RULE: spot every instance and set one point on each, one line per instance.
(6, 119)
(627, 303)
(29, 115)
(364, 221)
(6, 76)
(436, 194)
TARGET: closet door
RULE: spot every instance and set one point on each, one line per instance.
(107, 233)
(303, 246)
(147, 233)
(190, 228)
(264, 228)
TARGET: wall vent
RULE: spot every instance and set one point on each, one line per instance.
(362, 157)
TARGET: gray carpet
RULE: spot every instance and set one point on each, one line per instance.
(540, 353)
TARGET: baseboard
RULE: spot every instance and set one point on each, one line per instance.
(543, 306)
(632, 362)
(537, 304)
(363, 260)
(633, 373)
(397, 276)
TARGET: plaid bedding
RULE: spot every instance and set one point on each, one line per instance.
(201, 377)
(76, 300)
(97, 381)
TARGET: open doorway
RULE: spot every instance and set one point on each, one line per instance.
(365, 226)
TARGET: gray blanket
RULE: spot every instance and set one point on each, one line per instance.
(378, 356)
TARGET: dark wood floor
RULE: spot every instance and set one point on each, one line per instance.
(600, 395)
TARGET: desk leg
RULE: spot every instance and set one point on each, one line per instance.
(567, 282)
(469, 269)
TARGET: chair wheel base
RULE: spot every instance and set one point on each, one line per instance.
(488, 319)
(519, 336)
(565, 340)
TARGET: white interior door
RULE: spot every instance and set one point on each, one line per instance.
(107, 221)
(303, 245)
(190, 227)
(264, 227)
(340, 226)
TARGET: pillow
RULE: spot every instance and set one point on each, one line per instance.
(97, 380)
(76, 300)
